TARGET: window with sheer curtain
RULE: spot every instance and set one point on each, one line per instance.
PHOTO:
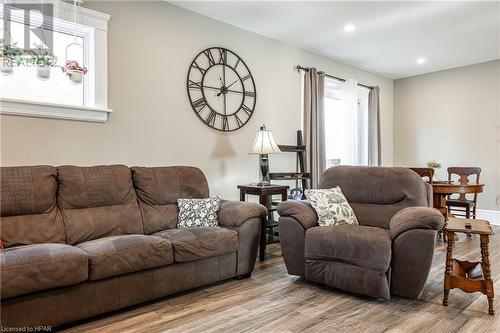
(346, 123)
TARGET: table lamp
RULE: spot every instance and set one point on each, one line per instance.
(264, 144)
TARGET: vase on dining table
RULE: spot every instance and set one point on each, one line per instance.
(435, 166)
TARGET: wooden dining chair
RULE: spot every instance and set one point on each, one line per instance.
(424, 172)
(462, 205)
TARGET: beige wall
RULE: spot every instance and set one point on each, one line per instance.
(453, 117)
(150, 48)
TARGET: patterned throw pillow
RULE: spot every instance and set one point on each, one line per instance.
(331, 206)
(198, 213)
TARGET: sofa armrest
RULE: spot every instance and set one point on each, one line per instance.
(415, 218)
(295, 218)
(235, 213)
(299, 210)
(245, 218)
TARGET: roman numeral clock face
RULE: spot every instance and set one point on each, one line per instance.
(221, 89)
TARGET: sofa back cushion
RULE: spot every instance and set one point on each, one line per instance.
(376, 193)
(28, 210)
(159, 188)
(97, 202)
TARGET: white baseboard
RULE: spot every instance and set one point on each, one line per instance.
(490, 215)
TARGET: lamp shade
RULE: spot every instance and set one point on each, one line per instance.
(264, 143)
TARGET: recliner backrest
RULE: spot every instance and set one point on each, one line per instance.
(158, 189)
(97, 202)
(28, 210)
(376, 193)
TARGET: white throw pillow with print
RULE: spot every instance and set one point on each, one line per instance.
(198, 213)
(331, 206)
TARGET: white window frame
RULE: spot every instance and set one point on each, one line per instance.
(93, 26)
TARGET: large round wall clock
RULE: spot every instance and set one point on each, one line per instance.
(221, 89)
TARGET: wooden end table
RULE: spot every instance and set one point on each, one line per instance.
(465, 275)
(443, 188)
(265, 194)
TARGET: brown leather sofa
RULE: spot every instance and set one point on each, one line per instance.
(391, 249)
(81, 241)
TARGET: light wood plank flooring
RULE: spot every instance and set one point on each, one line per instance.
(273, 301)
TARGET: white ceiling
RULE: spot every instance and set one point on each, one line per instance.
(389, 36)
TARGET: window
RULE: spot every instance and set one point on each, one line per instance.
(23, 83)
(22, 92)
(346, 123)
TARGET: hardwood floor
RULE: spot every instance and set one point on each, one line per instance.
(273, 301)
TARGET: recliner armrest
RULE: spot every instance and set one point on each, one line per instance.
(301, 211)
(235, 213)
(415, 218)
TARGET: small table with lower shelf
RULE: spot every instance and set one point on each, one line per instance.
(443, 188)
(265, 194)
(465, 275)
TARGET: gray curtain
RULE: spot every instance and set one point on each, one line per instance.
(314, 124)
(374, 158)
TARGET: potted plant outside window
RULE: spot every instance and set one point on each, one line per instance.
(74, 71)
(43, 64)
(9, 54)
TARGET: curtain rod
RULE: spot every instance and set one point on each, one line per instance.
(301, 68)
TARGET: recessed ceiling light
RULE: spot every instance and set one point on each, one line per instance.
(421, 61)
(349, 27)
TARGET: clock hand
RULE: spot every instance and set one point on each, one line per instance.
(229, 86)
(235, 91)
(220, 79)
(210, 87)
(223, 91)
(229, 90)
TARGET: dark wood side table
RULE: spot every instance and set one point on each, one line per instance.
(465, 275)
(265, 194)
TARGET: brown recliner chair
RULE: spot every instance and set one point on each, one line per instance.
(389, 252)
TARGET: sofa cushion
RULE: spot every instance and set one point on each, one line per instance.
(117, 255)
(198, 243)
(158, 190)
(31, 268)
(28, 206)
(98, 202)
(366, 247)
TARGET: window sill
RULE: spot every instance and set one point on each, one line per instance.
(49, 110)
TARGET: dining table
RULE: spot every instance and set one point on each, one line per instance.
(441, 189)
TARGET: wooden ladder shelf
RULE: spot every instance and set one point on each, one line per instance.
(300, 175)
